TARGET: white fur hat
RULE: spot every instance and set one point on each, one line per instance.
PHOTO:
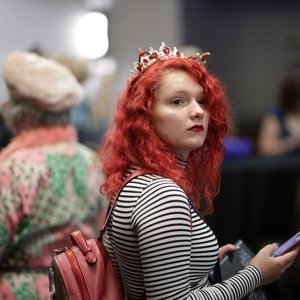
(42, 82)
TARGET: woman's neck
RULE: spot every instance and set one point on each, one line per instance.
(181, 163)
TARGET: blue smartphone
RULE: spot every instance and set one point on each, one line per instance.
(291, 243)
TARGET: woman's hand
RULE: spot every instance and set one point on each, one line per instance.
(271, 268)
(228, 248)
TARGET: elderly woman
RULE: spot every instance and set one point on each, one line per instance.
(48, 181)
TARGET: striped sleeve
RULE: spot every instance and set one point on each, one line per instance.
(234, 288)
(162, 222)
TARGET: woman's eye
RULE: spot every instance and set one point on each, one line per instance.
(176, 101)
(201, 101)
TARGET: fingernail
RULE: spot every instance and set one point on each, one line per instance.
(276, 244)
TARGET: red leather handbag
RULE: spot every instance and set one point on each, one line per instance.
(85, 271)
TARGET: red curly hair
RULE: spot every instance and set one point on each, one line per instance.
(132, 139)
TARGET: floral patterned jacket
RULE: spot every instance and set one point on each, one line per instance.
(49, 186)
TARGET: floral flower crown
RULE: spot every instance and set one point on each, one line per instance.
(146, 59)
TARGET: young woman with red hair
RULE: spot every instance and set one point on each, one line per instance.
(171, 120)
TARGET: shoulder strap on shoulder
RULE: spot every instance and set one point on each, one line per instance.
(134, 174)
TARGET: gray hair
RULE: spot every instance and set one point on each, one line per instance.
(19, 116)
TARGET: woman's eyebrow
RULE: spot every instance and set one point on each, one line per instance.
(200, 94)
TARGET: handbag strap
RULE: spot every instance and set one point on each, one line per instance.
(110, 208)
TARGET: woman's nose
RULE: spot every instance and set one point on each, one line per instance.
(197, 110)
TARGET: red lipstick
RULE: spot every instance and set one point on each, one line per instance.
(196, 128)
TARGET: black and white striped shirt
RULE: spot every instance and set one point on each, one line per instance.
(162, 247)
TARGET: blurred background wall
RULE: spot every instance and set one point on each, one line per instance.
(50, 26)
(253, 43)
